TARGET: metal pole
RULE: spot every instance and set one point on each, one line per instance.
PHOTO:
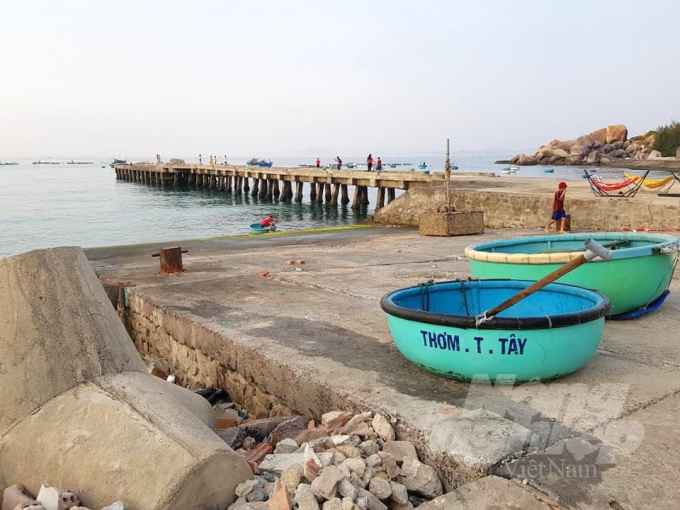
(447, 168)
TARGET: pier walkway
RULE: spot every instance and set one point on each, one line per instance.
(326, 186)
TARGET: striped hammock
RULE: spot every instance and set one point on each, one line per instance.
(650, 183)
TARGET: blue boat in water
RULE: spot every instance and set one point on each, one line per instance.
(422, 166)
(260, 163)
(256, 228)
(549, 170)
(550, 334)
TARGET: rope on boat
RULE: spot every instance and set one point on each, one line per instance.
(425, 294)
(481, 319)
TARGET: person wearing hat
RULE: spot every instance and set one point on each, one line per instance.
(558, 212)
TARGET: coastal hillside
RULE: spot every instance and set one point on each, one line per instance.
(605, 145)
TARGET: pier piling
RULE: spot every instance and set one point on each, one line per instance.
(298, 191)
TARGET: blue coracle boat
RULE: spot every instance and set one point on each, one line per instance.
(549, 170)
(422, 166)
(547, 335)
(256, 228)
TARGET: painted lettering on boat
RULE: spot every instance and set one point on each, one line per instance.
(445, 342)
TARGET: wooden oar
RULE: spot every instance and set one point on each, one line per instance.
(592, 249)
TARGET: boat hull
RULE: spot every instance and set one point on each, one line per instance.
(255, 228)
(522, 348)
(630, 283)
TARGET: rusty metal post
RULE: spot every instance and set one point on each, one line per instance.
(171, 259)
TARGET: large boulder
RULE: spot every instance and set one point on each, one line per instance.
(599, 136)
(578, 151)
(526, 160)
(616, 133)
(593, 157)
(633, 148)
(560, 153)
(654, 155)
(78, 408)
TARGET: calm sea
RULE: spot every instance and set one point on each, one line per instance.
(84, 205)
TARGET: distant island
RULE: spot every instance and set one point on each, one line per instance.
(605, 146)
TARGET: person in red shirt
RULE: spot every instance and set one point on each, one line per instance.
(369, 162)
(318, 163)
(558, 212)
(378, 165)
(268, 222)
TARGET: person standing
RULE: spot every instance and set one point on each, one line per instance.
(200, 160)
(558, 212)
(369, 162)
(378, 165)
(338, 161)
(318, 163)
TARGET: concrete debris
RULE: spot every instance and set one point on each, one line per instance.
(14, 496)
(420, 478)
(380, 488)
(346, 463)
(287, 445)
(305, 498)
(54, 499)
(383, 428)
(400, 449)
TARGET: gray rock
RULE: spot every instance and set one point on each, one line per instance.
(369, 447)
(256, 495)
(347, 489)
(333, 504)
(287, 445)
(374, 460)
(420, 478)
(325, 485)
(372, 503)
(400, 449)
(399, 493)
(654, 154)
(291, 476)
(305, 499)
(560, 153)
(355, 465)
(522, 160)
(380, 488)
(383, 427)
(277, 463)
(245, 488)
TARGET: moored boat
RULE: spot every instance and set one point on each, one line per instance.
(422, 166)
(256, 228)
(639, 273)
(549, 170)
(260, 163)
(547, 335)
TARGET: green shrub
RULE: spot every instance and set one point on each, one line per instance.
(668, 138)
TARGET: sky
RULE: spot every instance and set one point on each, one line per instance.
(267, 78)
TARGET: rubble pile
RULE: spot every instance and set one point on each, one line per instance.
(16, 497)
(347, 462)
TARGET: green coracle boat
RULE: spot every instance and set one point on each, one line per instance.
(547, 335)
(639, 273)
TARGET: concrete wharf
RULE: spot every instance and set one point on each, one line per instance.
(326, 186)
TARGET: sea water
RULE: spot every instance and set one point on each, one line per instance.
(84, 205)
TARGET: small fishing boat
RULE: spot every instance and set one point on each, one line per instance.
(547, 335)
(393, 166)
(508, 170)
(514, 168)
(454, 167)
(422, 166)
(260, 163)
(637, 276)
(256, 228)
(8, 163)
(349, 166)
(549, 170)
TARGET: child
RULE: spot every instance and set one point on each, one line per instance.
(558, 214)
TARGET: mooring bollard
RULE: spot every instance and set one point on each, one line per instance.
(171, 259)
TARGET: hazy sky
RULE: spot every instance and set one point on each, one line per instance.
(267, 78)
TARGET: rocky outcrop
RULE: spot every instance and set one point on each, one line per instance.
(601, 146)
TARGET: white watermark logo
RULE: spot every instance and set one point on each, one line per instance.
(575, 427)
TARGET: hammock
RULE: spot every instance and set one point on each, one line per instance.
(650, 183)
(614, 185)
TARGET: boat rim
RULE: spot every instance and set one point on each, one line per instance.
(593, 313)
(476, 252)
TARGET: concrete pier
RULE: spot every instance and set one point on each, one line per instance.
(277, 183)
(607, 433)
